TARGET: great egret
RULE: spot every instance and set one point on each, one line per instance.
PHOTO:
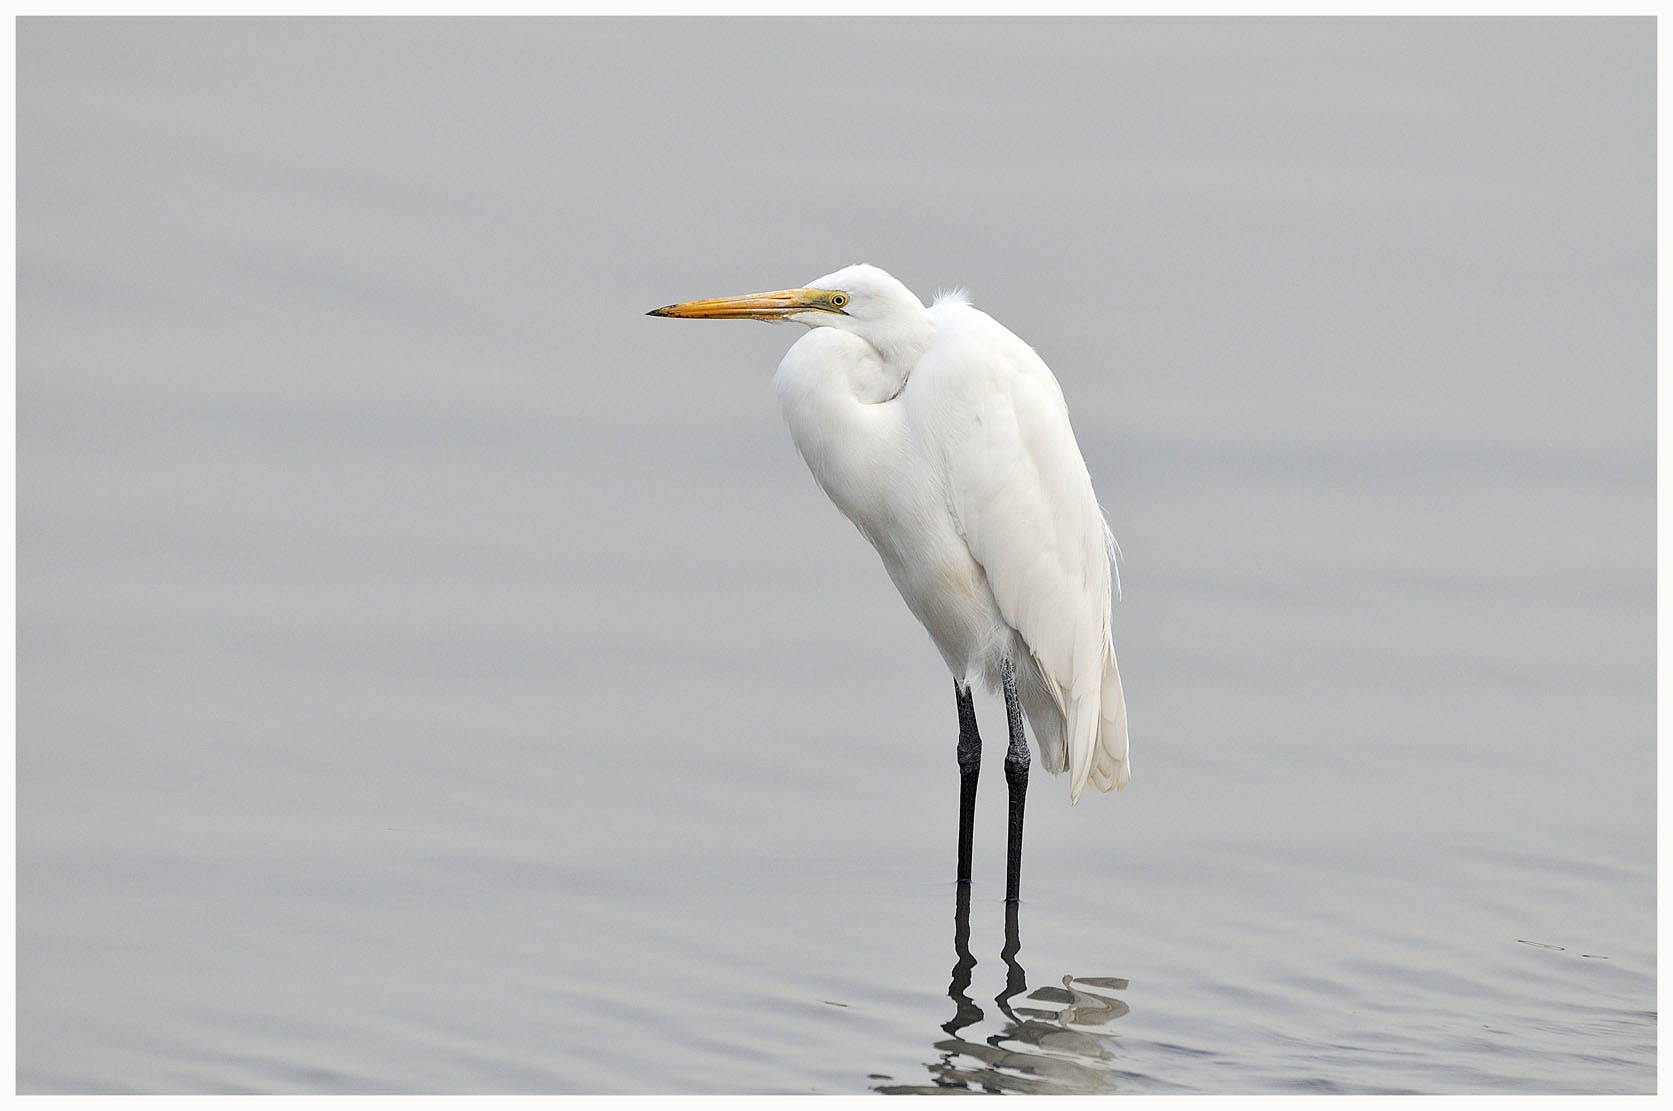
(945, 439)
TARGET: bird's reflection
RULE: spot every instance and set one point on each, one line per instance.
(1038, 1049)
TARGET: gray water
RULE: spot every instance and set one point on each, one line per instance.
(436, 676)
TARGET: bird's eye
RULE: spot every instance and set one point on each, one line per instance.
(839, 299)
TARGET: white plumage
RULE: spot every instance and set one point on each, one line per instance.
(946, 440)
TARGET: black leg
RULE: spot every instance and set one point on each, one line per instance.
(969, 764)
(1016, 777)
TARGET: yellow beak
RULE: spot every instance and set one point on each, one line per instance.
(758, 306)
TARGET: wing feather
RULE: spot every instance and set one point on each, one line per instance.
(1020, 493)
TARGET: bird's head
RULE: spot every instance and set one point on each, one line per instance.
(861, 299)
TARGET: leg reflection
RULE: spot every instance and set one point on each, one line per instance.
(1016, 980)
(1054, 1043)
(965, 1011)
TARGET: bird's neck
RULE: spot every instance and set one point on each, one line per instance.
(832, 389)
(901, 345)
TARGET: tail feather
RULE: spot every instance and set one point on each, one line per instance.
(1105, 756)
(1045, 718)
(1083, 742)
(1112, 736)
(1086, 737)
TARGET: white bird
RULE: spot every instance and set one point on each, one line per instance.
(946, 440)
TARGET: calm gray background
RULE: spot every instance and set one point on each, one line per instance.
(434, 675)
